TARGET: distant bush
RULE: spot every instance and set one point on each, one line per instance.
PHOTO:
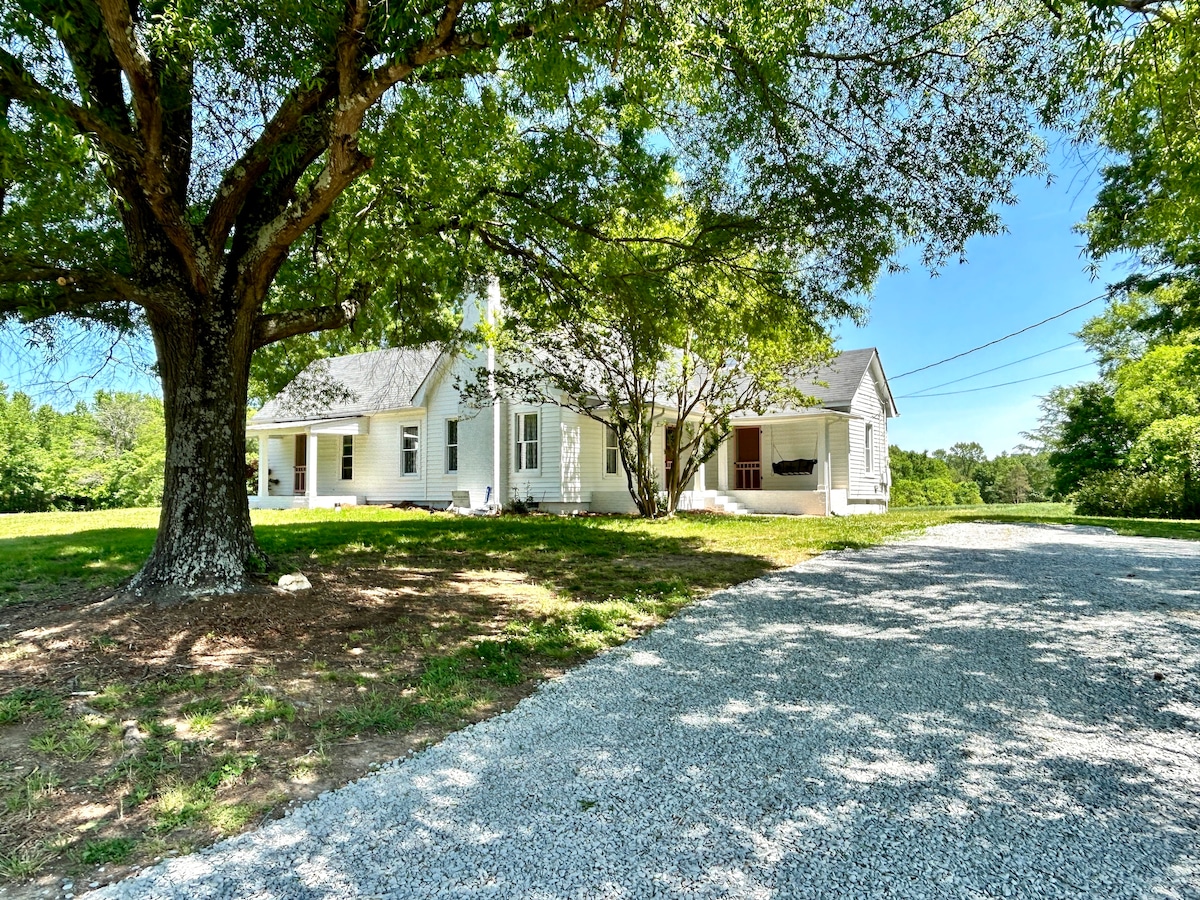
(934, 492)
(907, 492)
(107, 453)
(967, 494)
(1151, 495)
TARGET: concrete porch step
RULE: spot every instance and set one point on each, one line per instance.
(726, 504)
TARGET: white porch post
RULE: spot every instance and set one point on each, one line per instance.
(723, 465)
(825, 479)
(310, 470)
(494, 304)
(264, 466)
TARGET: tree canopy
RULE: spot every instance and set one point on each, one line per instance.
(230, 175)
(1144, 65)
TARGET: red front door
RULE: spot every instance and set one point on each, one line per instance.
(748, 463)
(300, 480)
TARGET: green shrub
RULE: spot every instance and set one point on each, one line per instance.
(934, 492)
(1143, 495)
(967, 494)
(908, 492)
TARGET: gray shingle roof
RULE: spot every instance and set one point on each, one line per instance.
(834, 384)
(842, 376)
(357, 385)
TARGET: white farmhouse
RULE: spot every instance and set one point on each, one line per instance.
(390, 427)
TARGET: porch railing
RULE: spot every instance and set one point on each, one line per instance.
(748, 476)
(300, 480)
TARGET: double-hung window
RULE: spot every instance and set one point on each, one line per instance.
(611, 455)
(408, 450)
(452, 445)
(347, 457)
(870, 448)
(527, 441)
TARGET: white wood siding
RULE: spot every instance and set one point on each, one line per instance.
(868, 406)
(839, 453)
(544, 484)
(588, 436)
(379, 459)
(789, 440)
(329, 464)
(444, 403)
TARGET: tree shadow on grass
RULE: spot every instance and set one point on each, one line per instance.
(582, 557)
(62, 565)
(403, 576)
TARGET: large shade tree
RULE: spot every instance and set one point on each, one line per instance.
(228, 175)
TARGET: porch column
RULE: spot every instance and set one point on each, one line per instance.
(310, 471)
(823, 453)
(264, 466)
(723, 465)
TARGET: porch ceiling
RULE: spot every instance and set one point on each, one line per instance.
(354, 425)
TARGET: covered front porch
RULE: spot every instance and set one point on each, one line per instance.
(780, 464)
(307, 464)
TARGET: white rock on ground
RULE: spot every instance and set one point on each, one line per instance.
(972, 714)
(294, 582)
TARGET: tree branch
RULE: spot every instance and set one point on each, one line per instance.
(269, 328)
(80, 289)
(153, 177)
(135, 63)
(17, 83)
(242, 177)
(356, 93)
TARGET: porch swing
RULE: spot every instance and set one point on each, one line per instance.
(783, 466)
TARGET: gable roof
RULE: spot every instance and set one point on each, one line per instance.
(360, 384)
(842, 377)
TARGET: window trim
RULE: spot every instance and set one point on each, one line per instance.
(522, 445)
(347, 444)
(452, 446)
(610, 433)
(415, 450)
(869, 447)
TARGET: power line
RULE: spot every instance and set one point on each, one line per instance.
(990, 386)
(998, 340)
(934, 387)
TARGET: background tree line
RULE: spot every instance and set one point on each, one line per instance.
(963, 475)
(106, 453)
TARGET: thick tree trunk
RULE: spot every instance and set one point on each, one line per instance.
(205, 542)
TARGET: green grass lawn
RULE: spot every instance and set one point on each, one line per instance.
(53, 554)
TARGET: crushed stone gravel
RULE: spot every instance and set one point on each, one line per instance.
(985, 711)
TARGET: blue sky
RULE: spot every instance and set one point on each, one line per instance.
(1008, 282)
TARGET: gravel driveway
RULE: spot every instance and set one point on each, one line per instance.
(985, 711)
